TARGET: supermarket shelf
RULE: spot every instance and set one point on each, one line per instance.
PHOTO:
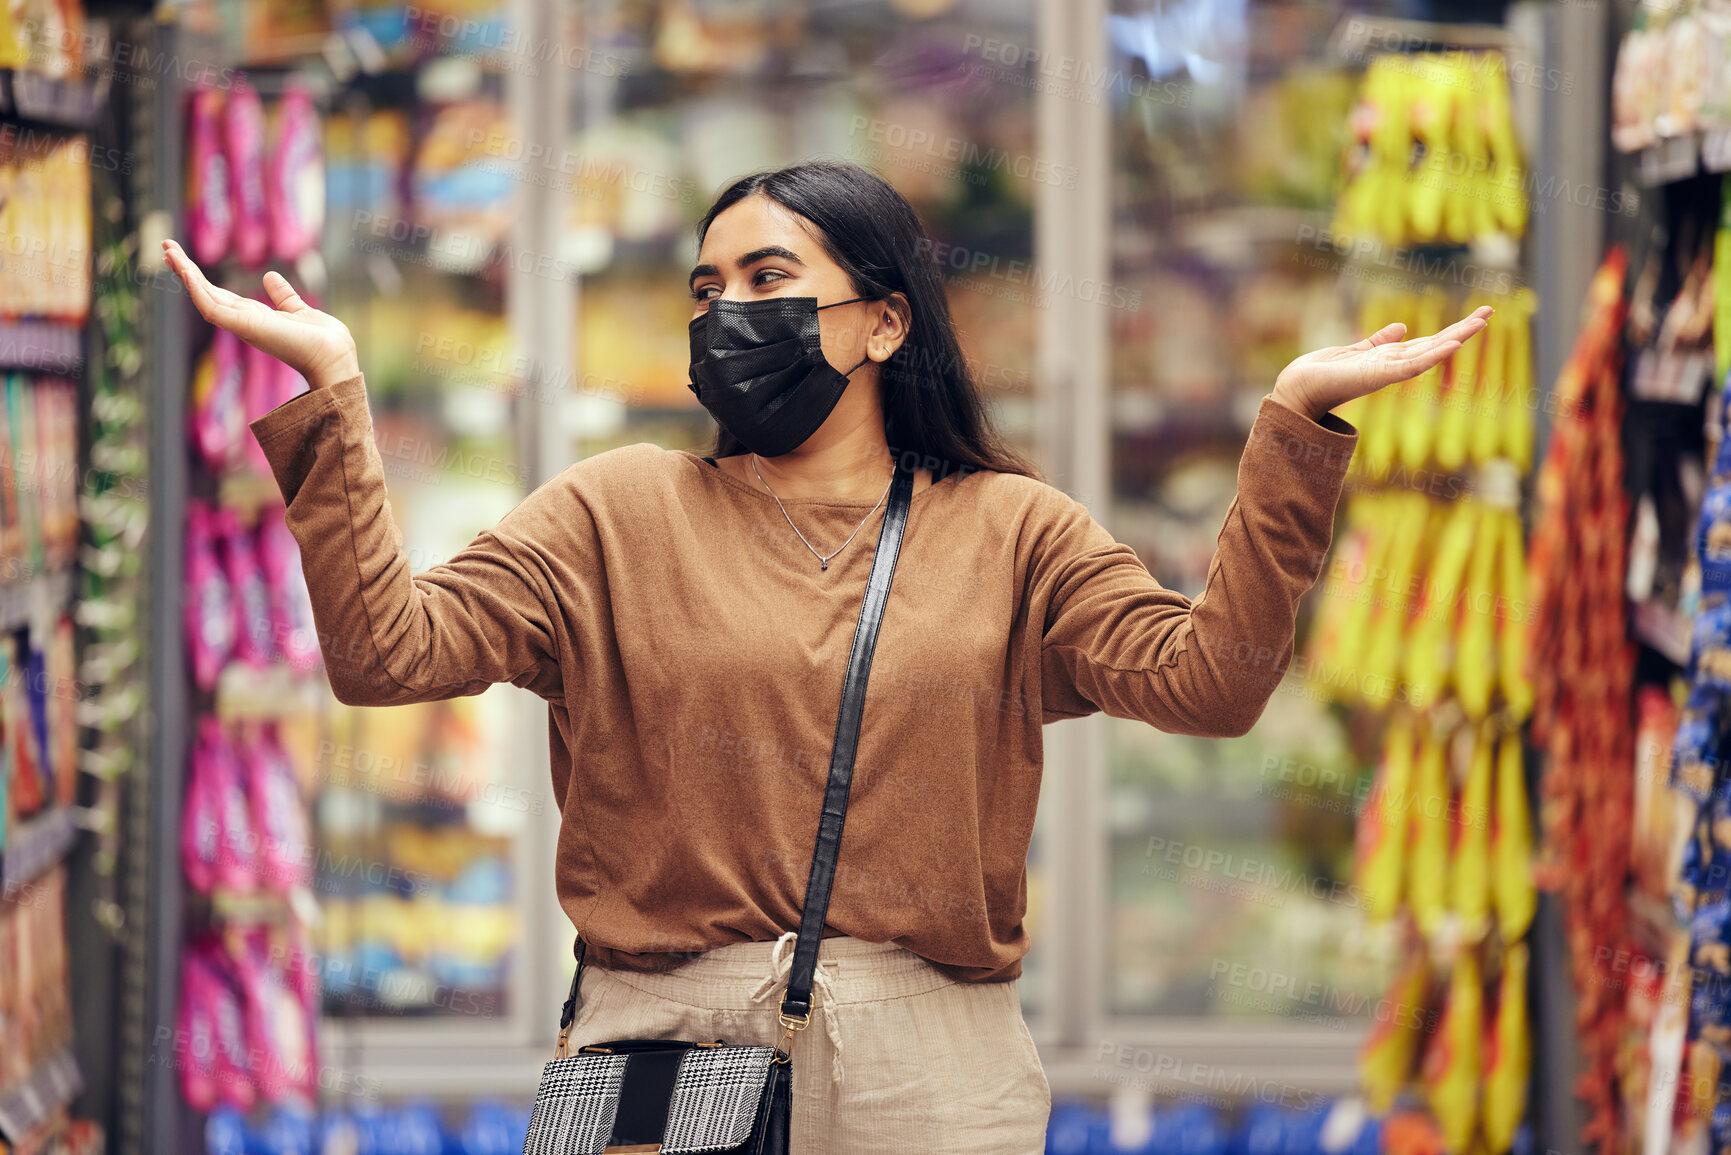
(1681, 157)
(1171, 1059)
(1238, 237)
(1309, 1063)
(45, 346)
(248, 493)
(32, 96)
(273, 691)
(286, 51)
(1357, 38)
(28, 1104)
(34, 847)
(450, 254)
(25, 602)
(1231, 413)
(1240, 821)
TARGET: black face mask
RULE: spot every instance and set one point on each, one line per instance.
(759, 368)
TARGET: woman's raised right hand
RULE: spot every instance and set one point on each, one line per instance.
(314, 344)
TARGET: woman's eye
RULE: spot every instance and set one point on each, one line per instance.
(702, 293)
(768, 277)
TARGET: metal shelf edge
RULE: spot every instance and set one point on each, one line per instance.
(67, 103)
(26, 1105)
(21, 602)
(34, 847)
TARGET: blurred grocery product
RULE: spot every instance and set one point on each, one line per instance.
(1669, 78)
(1582, 664)
(45, 226)
(1434, 158)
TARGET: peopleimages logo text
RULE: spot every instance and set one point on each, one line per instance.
(1043, 283)
(963, 151)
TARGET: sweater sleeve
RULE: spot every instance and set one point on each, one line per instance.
(1117, 641)
(389, 636)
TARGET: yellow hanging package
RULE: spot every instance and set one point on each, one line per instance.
(1508, 1055)
(1470, 868)
(1452, 1060)
(1427, 878)
(1382, 824)
(1512, 843)
(1386, 1059)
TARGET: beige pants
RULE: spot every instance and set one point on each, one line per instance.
(897, 1057)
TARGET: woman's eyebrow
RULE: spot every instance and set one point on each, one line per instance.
(757, 255)
(747, 260)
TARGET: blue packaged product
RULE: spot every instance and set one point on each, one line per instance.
(1708, 1005)
(1722, 459)
(1262, 1132)
(484, 882)
(338, 1131)
(1075, 1129)
(1718, 830)
(1695, 749)
(1188, 1129)
(1713, 871)
(1686, 885)
(1708, 948)
(225, 1132)
(1303, 1131)
(1369, 1141)
(1713, 530)
(493, 1128)
(1719, 1128)
(1711, 647)
(415, 1130)
(288, 1131)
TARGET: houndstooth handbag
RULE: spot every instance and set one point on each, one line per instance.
(674, 1097)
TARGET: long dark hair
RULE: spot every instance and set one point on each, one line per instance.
(932, 404)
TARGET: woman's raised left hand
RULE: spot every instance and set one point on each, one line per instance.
(1319, 381)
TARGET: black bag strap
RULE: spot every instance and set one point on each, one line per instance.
(568, 1012)
(796, 1004)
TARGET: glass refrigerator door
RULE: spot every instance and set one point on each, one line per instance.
(428, 814)
(1232, 911)
(680, 99)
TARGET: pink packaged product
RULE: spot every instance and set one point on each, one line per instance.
(296, 634)
(201, 823)
(218, 413)
(249, 595)
(303, 975)
(209, 604)
(237, 842)
(243, 140)
(295, 175)
(276, 1021)
(288, 954)
(260, 384)
(234, 1074)
(209, 214)
(195, 1037)
(278, 813)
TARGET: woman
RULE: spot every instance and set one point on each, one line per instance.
(687, 620)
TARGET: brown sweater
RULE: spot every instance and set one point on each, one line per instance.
(691, 653)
